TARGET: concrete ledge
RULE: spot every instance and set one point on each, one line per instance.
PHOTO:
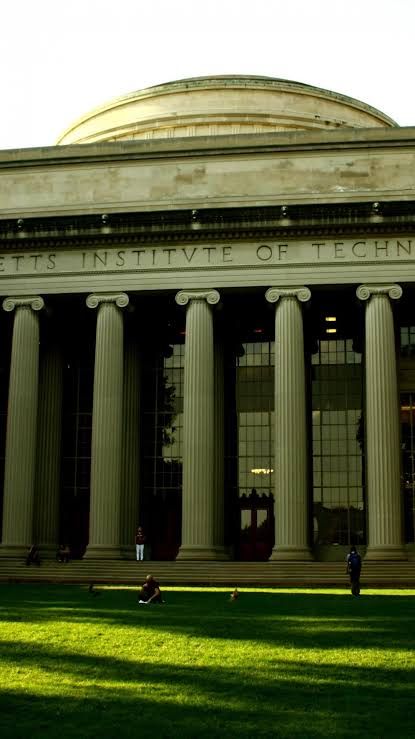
(295, 574)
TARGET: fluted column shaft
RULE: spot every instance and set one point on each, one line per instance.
(291, 501)
(47, 487)
(382, 425)
(198, 496)
(130, 493)
(19, 473)
(107, 427)
(219, 455)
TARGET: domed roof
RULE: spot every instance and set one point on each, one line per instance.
(210, 106)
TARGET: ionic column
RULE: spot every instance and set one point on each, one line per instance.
(130, 493)
(382, 425)
(47, 487)
(219, 455)
(290, 466)
(19, 473)
(198, 495)
(107, 426)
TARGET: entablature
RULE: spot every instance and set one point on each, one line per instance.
(212, 224)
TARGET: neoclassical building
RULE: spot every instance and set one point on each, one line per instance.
(208, 328)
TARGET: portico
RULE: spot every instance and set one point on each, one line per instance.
(214, 338)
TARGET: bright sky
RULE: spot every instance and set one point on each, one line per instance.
(60, 59)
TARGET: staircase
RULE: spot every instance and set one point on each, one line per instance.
(279, 574)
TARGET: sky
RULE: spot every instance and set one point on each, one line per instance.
(59, 60)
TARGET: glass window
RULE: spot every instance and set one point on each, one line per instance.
(408, 462)
(338, 484)
(255, 397)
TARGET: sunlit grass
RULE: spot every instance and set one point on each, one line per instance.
(275, 663)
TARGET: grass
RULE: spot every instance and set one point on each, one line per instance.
(275, 663)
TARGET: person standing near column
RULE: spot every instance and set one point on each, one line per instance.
(140, 540)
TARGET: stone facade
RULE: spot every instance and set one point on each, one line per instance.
(185, 227)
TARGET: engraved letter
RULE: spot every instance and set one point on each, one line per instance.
(264, 253)
(318, 248)
(400, 246)
(189, 259)
(98, 257)
(227, 254)
(354, 247)
(139, 252)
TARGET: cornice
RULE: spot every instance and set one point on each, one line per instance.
(208, 225)
(195, 146)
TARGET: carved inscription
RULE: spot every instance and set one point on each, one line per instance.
(228, 256)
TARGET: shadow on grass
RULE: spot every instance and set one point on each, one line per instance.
(286, 699)
(286, 692)
(297, 620)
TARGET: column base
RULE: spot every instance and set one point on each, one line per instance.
(128, 551)
(14, 551)
(388, 552)
(209, 553)
(222, 553)
(293, 554)
(48, 551)
(102, 552)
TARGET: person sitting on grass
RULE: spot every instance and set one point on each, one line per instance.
(33, 556)
(150, 592)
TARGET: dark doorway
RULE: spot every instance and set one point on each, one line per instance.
(256, 527)
(164, 536)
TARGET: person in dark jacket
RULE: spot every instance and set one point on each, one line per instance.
(354, 567)
(33, 556)
(150, 592)
(140, 540)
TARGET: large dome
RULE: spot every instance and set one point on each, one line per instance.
(210, 106)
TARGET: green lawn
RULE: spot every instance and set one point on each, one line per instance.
(275, 663)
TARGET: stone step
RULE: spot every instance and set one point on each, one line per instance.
(209, 573)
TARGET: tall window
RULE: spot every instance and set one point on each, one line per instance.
(407, 397)
(255, 406)
(408, 462)
(337, 421)
(76, 455)
(162, 436)
(255, 437)
(170, 420)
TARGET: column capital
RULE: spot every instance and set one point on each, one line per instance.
(184, 296)
(364, 292)
(273, 294)
(35, 302)
(121, 300)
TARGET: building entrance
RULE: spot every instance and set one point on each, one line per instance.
(256, 527)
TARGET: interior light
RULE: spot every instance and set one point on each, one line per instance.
(258, 330)
(261, 471)
(331, 319)
(331, 330)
